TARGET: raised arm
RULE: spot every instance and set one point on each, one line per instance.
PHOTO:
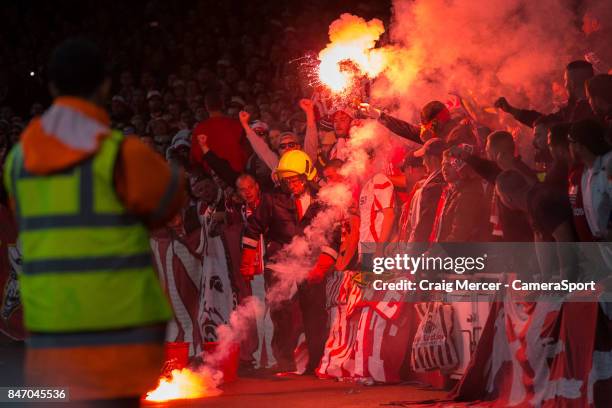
(261, 148)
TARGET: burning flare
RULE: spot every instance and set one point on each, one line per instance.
(352, 39)
(186, 384)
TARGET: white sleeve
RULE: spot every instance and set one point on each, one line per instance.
(262, 150)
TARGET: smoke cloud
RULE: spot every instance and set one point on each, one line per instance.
(484, 49)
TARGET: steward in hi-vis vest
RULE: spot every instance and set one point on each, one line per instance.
(83, 197)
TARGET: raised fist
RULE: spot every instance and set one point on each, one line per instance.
(502, 104)
(203, 142)
(244, 117)
(306, 105)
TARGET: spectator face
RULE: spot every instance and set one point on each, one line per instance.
(126, 79)
(233, 112)
(414, 174)
(296, 185)
(332, 175)
(171, 80)
(147, 81)
(231, 75)
(200, 114)
(180, 156)
(159, 127)
(287, 144)
(558, 152)
(598, 105)
(174, 111)
(206, 191)
(192, 89)
(179, 91)
(285, 115)
(118, 108)
(155, 104)
(168, 98)
(248, 189)
(274, 139)
(449, 173)
(243, 87)
(342, 124)
(576, 151)
(298, 127)
(187, 119)
(323, 142)
(138, 97)
(138, 123)
(204, 75)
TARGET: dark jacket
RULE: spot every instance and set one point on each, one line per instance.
(514, 223)
(277, 219)
(463, 218)
(221, 167)
(430, 195)
(573, 111)
(413, 132)
(557, 175)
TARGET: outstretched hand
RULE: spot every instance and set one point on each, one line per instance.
(502, 103)
(369, 110)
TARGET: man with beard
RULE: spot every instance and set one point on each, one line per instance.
(576, 74)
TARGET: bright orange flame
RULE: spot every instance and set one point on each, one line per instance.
(185, 384)
(352, 39)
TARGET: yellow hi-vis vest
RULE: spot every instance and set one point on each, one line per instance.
(87, 263)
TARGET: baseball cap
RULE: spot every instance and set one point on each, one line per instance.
(260, 125)
(411, 161)
(237, 101)
(431, 110)
(152, 94)
(289, 137)
(119, 98)
(182, 138)
(433, 147)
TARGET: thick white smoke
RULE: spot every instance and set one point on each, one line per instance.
(292, 264)
(235, 331)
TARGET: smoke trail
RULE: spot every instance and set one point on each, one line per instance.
(293, 262)
(235, 331)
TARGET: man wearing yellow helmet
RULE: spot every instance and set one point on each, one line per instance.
(282, 215)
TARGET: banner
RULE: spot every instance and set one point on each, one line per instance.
(11, 317)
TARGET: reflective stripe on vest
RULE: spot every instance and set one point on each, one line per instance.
(87, 263)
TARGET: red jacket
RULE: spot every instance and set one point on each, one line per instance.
(225, 139)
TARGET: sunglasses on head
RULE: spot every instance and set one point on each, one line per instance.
(289, 145)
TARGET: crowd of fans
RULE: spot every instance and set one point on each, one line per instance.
(218, 95)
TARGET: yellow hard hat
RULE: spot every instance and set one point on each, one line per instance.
(296, 162)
